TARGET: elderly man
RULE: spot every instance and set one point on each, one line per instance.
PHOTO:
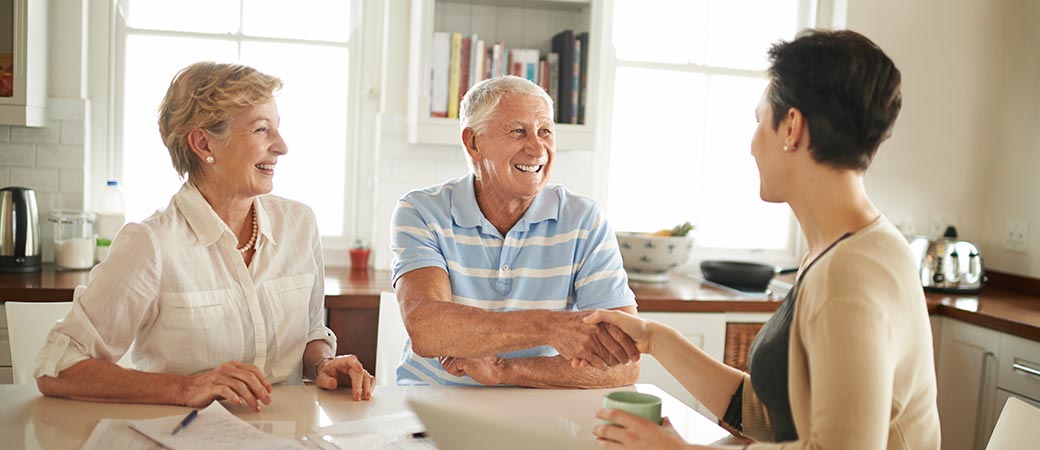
(494, 271)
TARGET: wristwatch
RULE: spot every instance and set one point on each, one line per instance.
(317, 365)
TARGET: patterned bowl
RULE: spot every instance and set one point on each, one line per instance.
(649, 258)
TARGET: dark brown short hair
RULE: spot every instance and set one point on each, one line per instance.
(844, 85)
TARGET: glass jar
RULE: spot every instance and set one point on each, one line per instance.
(74, 239)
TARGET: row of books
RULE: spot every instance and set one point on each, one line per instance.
(457, 62)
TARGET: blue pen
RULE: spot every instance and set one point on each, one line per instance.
(187, 420)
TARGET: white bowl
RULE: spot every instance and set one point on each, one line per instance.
(649, 258)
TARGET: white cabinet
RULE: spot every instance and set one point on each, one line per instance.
(966, 376)
(707, 331)
(26, 20)
(1018, 374)
(6, 374)
(520, 24)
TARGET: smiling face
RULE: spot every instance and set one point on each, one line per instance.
(514, 154)
(246, 155)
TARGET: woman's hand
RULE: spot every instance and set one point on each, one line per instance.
(633, 432)
(232, 381)
(346, 370)
(636, 328)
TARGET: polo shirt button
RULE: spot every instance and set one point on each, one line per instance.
(505, 266)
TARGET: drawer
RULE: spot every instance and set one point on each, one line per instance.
(5, 348)
(1019, 366)
(6, 375)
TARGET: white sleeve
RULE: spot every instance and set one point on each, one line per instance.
(106, 314)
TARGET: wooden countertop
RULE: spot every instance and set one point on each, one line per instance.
(997, 307)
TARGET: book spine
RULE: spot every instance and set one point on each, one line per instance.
(576, 87)
(479, 58)
(563, 44)
(440, 62)
(454, 74)
(553, 60)
(584, 38)
(464, 61)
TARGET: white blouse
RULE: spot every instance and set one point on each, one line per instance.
(175, 287)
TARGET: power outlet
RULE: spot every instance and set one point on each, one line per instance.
(1016, 239)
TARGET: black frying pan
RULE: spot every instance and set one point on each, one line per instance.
(743, 276)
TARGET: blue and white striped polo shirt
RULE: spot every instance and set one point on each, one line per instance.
(562, 256)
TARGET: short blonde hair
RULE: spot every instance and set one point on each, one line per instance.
(207, 95)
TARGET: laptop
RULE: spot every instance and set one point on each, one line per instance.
(452, 429)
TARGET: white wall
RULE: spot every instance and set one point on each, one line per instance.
(965, 145)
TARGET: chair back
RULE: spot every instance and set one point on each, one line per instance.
(1017, 427)
(390, 340)
(27, 325)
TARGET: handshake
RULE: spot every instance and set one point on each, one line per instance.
(587, 340)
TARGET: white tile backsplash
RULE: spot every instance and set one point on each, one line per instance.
(50, 160)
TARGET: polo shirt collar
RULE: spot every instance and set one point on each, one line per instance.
(466, 212)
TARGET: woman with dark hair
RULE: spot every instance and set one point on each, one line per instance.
(846, 360)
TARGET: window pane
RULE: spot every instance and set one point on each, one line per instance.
(325, 20)
(656, 149)
(732, 213)
(741, 31)
(643, 31)
(149, 179)
(206, 16)
(313, 109)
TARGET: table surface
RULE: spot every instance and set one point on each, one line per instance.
(29, 420)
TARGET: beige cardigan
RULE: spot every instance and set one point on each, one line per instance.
(861, 372)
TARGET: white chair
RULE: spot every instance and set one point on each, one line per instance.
(390, 340)
(27, 326)
(1017, 427)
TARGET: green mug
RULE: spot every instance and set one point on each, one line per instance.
(643, 405)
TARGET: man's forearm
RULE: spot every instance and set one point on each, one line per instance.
(449, 329)
(556, 372)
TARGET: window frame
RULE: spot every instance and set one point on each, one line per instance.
(362, 106)
(812, 13)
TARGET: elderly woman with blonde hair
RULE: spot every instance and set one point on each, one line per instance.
(221, 294)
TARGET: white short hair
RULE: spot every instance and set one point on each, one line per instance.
(479, 103)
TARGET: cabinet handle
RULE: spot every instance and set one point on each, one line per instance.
(1025, 369)
(979, 410)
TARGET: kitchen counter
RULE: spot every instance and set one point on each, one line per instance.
(1008, 304)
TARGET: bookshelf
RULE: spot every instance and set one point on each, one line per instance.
(518, 23)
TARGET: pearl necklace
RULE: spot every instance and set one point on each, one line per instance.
(252, 239)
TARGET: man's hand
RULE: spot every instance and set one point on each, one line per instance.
(486, 371)
(598, 345)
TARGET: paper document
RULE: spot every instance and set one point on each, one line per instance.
(115, 433)
(214, 429)
(387, 432)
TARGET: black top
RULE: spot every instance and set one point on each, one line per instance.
(768, 361)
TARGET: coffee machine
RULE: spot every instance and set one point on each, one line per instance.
(20, 238)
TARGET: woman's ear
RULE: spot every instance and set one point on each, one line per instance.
(200, 141)
(796, 130)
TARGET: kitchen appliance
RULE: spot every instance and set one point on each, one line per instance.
(742, 276)
(947, 264)
(19, 231)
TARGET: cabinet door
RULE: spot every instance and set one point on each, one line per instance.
(967, 384)
(706, 331)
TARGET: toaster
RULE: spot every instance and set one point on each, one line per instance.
(947, 264)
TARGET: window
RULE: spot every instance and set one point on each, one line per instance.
(687, 76)
(309, 46)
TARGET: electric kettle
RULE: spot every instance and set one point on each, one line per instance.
(948, 265)
(19, 231)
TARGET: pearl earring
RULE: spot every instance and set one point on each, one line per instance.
(209, 159)
(786, 149)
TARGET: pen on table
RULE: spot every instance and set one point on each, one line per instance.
(419, 435)
(184, 423)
